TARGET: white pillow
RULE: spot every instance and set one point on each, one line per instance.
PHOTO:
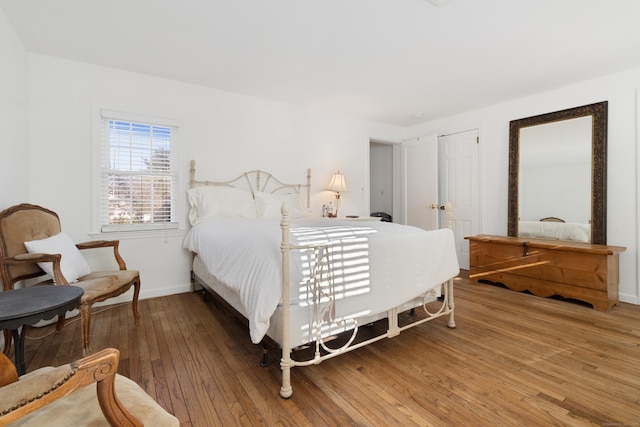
(270, 205)
(210, 201)
(72, 263)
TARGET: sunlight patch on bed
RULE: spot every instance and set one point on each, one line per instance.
(335, 267)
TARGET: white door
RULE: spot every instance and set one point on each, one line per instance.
(459, 186)
(420, 157)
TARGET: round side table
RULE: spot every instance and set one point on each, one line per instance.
(27, 306)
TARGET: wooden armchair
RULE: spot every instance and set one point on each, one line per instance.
(65, 395)
(35, 226)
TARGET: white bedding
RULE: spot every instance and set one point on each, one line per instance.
(377, 265)
(555, 230)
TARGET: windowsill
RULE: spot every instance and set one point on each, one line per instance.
(142, 234)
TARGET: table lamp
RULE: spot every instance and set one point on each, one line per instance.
(338, 185)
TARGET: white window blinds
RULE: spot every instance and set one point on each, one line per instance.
(138, 174)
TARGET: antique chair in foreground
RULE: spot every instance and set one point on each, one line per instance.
(32, 245)
(67, 396)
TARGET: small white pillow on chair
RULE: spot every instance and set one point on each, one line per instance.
(72, 264)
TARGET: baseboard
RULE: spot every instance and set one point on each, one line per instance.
(146, 293)
(629, 298)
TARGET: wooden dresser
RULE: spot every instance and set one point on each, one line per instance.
(581, 271)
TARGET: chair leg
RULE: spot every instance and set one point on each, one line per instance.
(85, 321)
(134, 305)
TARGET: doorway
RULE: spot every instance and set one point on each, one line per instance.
(381, 182)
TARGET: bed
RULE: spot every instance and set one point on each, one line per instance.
(301, 280)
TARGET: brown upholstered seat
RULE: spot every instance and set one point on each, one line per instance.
(27, 223)
(86, 392)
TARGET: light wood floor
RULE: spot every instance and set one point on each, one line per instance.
(514, 359)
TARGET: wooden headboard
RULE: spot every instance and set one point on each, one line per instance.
(256, 181)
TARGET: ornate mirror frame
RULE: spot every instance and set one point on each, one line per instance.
(598, 111)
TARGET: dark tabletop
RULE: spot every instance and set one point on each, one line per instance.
(29, 305)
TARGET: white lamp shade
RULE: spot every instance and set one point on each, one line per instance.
(337, 183)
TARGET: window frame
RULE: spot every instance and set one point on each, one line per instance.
(99, 228)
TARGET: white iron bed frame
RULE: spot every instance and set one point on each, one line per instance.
(261, 181)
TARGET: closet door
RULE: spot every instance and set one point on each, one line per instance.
(459, 186)
(440, 170)
(421, 182)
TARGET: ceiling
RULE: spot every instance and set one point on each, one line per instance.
(399, 62)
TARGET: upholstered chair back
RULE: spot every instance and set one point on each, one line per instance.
(19, 224)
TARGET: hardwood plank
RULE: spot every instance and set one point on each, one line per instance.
(199, 408)
(159, 319)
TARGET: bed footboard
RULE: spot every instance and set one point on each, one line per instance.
(323, 351)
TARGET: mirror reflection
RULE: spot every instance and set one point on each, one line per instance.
(555, 180)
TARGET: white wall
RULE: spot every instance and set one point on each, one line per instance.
(493, 121)
(14, 163)
(225, 133)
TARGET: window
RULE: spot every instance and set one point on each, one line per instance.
(139, 173)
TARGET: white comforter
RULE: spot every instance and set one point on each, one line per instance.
(377, 265)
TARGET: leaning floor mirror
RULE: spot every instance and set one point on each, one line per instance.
(558, 175)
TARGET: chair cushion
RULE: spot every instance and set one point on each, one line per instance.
(72, 264)
(100, 285)
(8, 373)
(82, 407)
